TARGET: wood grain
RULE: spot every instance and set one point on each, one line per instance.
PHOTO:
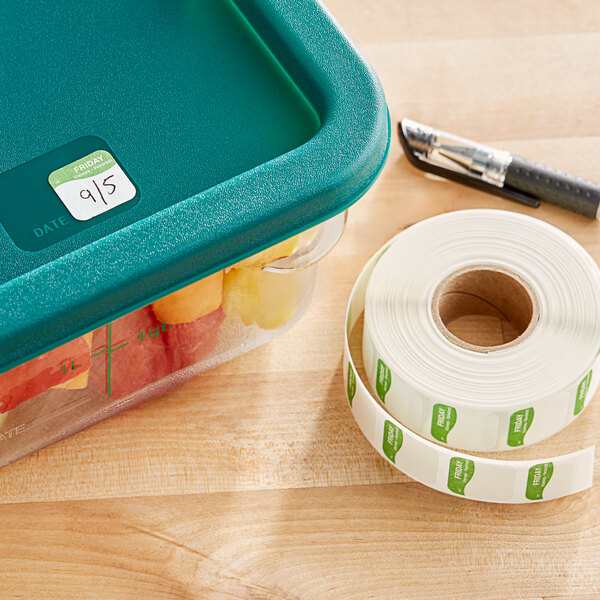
(381, 542)
(252, 481)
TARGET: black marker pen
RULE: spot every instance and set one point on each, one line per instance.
(496, 171)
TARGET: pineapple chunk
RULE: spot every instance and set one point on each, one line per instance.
(263, 298)
(266, 257)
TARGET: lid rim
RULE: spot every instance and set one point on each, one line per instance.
(355, 124)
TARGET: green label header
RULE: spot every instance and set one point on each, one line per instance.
(88, 166)
(520, 422)
(461, 471)
(443, 419)
(384, 380)
(392, 440)
(582, 391)
(537, 480)
(351, 384)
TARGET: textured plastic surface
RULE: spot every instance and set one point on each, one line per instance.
(240, 124)
(554, 186)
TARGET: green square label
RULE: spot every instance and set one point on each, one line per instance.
(92, 185)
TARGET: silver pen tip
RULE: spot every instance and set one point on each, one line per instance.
(419, 137)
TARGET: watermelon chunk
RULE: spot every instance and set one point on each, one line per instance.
(138, 354)
(145, 349)
(43, 372)
(190, 342)
(80, 381)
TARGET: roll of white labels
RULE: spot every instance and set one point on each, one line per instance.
(439, 389)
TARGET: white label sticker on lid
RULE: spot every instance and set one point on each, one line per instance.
(92, 185)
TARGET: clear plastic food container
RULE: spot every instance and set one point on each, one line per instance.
(165, 204)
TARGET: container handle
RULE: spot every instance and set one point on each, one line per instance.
(314, 244)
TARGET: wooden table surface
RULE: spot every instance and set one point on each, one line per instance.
(253, 481)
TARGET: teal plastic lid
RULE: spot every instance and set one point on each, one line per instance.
(144, 145)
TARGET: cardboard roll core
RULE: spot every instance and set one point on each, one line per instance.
(484, 308)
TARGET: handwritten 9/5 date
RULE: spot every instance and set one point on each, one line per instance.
(107, 187)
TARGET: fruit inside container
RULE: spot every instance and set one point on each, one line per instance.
(157, 346)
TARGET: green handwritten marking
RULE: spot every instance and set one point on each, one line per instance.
(443, 419)
(153, 332)
(520, 422)
(109, 352)
(582, 391)
(351, 384)
(392, 440)
(73, 367)
(384, 380)
(461, 471)
(537, 480)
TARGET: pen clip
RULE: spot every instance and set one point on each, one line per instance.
(504, 192)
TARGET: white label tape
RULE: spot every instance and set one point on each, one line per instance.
(436, 391)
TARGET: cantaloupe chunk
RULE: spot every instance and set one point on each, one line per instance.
(191, 302)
